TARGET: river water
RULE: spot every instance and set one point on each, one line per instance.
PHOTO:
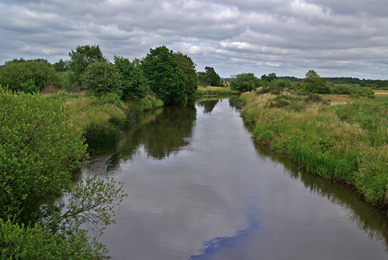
(199, 188)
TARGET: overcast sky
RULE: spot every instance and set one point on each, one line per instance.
(287, 37)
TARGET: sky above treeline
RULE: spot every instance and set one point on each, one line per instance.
(344, 38)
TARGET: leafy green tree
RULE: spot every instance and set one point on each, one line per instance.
(211, 77)
(245, 82)
(133, 82)
(15, 73)
(165, 77)
(82, 57)
(101, 78)
(38, 151)
(314, 83)
(61, 66)
(312, 74)
(267, 79)
(187, 65)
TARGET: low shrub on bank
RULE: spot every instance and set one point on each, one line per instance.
(346, 142)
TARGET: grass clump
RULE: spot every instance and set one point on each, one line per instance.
(102, 138)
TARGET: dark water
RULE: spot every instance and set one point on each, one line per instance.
(199, 188)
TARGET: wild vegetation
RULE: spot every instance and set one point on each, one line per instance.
(343, 138)
(52, 116)
(45, 137)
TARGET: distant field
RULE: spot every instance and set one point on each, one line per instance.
(381, 93)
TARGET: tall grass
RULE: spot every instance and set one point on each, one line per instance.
(102, 138)
(203, 91)
(346, 142)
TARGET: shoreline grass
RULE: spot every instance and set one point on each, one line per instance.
(102, 120)
(340, 139)
(213, 91)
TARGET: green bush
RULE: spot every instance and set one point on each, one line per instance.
(110, 98)
(23, 242)
(38, 151)
(245, 82)
(29, 87)
(102, 78)
(28, 73)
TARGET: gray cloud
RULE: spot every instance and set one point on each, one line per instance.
(336, 38)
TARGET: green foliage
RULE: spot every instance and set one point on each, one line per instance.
(165, 77)
(91, 201)
(37, 153)
(61, 66)
(28, 73)
(187, 65)
(267, 79)
(314, 83)
(23, 242)
(133, 82)
(209, 77)
(82, 57)
(110, 98)
(280, 83)
(29, 87)
(245, 82)
(102, 138)
(102, 78)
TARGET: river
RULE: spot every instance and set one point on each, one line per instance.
(200, 188)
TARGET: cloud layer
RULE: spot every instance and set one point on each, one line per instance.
(335, 38)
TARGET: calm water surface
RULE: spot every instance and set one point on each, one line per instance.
(199, 188)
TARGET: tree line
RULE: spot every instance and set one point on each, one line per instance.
(172, 76)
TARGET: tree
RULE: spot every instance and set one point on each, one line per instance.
(61, 66)
(211, 77)
(133, 81)
(314, 83)
(165, 77)
(16, 73)
(187, 65)
(102, 78)
(38, 151)
(245, 82)
(82, 57)
(312, 74)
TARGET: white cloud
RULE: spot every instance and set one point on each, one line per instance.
(341, 38)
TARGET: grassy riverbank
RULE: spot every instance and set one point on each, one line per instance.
(102, 120)
(203, 91)
(337, 137)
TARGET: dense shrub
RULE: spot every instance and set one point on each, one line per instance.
(23, 242)
(245, 82)
(28, 76)
(102, 78)
(38, 151)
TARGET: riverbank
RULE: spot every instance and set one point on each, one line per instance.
(102, 120)
(339, 138)
(203, 91)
